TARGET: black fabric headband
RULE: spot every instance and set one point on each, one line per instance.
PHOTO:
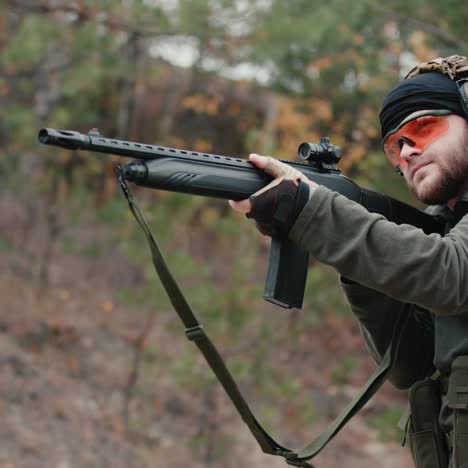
(426, 91)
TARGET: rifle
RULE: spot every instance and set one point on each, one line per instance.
(234, 178)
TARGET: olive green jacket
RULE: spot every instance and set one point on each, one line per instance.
(390, 270)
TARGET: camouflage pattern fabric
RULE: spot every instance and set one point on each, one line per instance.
(455, 66)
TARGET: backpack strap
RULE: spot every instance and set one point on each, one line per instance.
(195, 332)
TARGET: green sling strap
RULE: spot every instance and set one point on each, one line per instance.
(194, 332)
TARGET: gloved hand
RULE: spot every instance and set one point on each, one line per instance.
(275, 207)
(275, 210)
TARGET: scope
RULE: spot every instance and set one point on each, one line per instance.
(324, 155)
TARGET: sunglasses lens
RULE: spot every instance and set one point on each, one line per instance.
(419, 133)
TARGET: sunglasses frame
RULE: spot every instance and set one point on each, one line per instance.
(462, 85)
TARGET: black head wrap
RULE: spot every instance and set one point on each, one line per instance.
(426, 91)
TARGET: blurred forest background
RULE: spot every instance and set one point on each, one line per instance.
(95, 370)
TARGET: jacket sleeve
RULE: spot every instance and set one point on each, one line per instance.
(377, 314)
(400, 261)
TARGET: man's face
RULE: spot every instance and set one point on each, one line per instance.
(435, 168)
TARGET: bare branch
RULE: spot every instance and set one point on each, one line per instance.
(84, 14)
(432, 29)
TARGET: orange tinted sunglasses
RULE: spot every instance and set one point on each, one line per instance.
(418, 132)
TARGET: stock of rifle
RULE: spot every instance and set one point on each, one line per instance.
(234, 178)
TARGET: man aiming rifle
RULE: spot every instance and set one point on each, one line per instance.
(390, 271)
(405, 273)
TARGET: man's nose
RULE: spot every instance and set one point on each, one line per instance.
(409, 152)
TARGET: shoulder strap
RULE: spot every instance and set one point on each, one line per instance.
(195, 332)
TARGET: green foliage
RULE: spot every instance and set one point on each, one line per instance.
(199, 440)
(137, 296)
(20, 123)
(323, 294)
(5, 244)
(113, 212)
(190, 372)
(80, 205)
(9, 170)
(343, 371)
(29, 46)
(386, 424)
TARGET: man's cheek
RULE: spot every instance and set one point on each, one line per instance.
(429, 182)
(426, 172)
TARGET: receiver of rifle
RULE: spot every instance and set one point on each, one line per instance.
(235, 178)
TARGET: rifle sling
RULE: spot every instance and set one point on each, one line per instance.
(194, 332)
